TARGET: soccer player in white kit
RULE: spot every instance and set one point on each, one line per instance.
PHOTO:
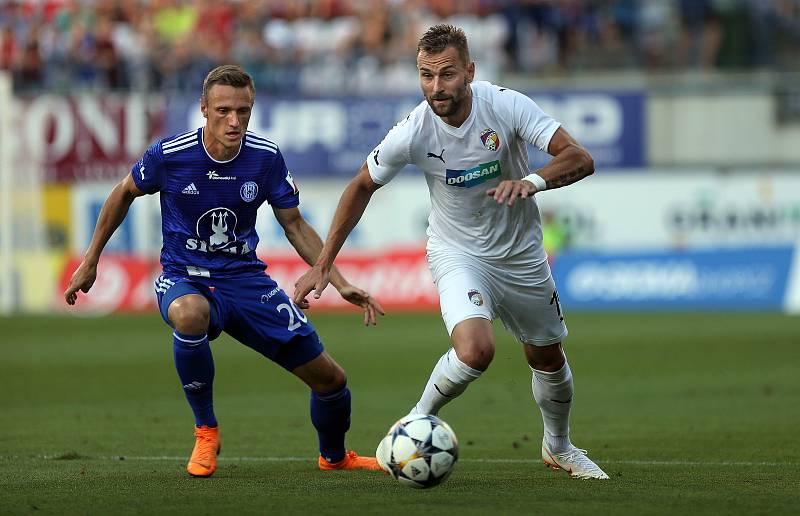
(484, 231)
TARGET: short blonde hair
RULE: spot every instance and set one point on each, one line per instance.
(227, 75)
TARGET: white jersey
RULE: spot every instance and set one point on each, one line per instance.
(462, 163)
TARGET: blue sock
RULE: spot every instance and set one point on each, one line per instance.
(330, 414)
(195, 367)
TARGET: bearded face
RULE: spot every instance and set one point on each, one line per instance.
(444, 80)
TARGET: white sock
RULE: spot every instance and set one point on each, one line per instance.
(553, 393)
(449, 378)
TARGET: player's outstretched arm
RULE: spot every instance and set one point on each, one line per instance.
(352, 204)
(571, 162)
(111, 216)
(308, 245)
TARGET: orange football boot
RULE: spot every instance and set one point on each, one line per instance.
(203, 462)
(351, 460)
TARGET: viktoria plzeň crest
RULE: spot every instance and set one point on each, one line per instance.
(475, 297)
(490, 139)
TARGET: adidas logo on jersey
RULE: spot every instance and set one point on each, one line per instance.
(191, 189)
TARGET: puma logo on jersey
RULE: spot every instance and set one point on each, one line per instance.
(437, 156)
(473, 176)
(375, 156)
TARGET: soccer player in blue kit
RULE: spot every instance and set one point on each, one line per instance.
(212, 180)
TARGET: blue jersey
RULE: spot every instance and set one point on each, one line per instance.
(208, 207)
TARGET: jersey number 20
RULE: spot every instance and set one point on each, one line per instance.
(292, 310)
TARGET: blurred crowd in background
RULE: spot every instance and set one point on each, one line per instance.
(363, 46)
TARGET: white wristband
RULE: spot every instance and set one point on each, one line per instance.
(537, 180)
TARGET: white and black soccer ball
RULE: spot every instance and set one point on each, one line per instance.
(419, 451)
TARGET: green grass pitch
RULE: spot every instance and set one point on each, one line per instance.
(688, 413)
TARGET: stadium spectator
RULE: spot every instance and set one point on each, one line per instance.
(174, 20)
(8, 48)
(354, 45)
(700, 34)
(29, 72)
(106, 58)
(555, 234)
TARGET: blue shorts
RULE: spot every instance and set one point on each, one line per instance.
(254, 310)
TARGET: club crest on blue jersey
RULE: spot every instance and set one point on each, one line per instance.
(217, 227)
(249, 191)
(490, 139)
(475, 297)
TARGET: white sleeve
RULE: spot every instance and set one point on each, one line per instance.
(392, 154)
(530, 122)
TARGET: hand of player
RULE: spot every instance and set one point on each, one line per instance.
(510, 191)
(362, 298)
(82, 279)
(316, 278)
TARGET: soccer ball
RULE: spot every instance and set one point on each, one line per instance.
(419, 451)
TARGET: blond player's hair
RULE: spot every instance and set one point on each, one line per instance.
(227, 75)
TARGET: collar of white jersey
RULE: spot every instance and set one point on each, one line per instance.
(458, 132)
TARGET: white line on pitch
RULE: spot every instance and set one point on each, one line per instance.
(491, 461)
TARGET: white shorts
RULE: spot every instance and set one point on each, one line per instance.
(520, 292)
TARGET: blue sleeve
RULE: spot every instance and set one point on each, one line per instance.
(148, 172)
(281, 189)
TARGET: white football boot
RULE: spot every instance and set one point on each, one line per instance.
(574, 461)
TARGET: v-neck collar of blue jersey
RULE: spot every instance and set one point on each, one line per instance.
(203, 143)
(460, 131)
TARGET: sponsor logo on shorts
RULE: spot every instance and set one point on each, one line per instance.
(266, 297)
(475, 297)
(473, 176)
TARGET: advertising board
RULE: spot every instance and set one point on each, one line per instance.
(332, 136)
(720, 279)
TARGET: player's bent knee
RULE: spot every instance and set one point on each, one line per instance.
(332, 380)
(331, 384)
(476, 355)
(190, 314)
(545, 358)
(325, 386)
(322, 375)
(474, 342)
